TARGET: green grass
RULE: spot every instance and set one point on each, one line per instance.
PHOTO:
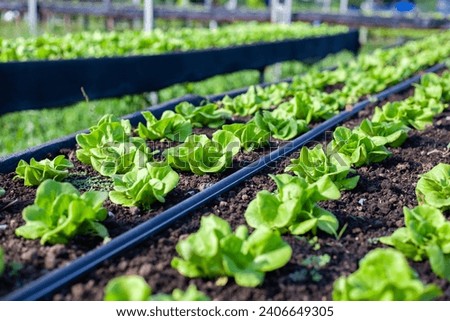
(24, 129)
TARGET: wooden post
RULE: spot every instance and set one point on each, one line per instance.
(326, 5)
(231, 5)
(280, 13)
(363, 35)
(274, 7)
(109, 22)
(287, 12)
(343, 6)
(208, 4)
(33, 16)
(148, 16)
(136, 22)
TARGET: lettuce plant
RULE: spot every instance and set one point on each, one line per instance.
(406, 112)
(108, 130)
(215, 251)
(134, 288)
(391, 134)
(250, 135)
(431, 87)
(383, 275)
(2, 192)
(256, 98)
(207, 115)
(120, 158)
(313, 164)
(426, 234)
(110, 150)
(293, 207)
(284, 129)
(245, 104)
(351, 148)
(299, 107)
(433, 188)
(171, 126)
(2, 262)
(275, 94)
(59, 213)
(143, 186)
(200, 155)
(36, 172)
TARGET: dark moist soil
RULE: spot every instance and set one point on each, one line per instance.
(28, 260)
(373, 209)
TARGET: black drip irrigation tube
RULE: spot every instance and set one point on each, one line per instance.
(48, 284)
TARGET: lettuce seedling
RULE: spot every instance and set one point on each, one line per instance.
(256, 98)
(110, 150)
(275, 94)
(2, 261)
(430, 87)
(120, 158)
(391, 134)
(250, 135)
(299, 107)
(207, 115)
(407, 112)
(59, 213)
(427, 234)
(284, 129)
(135, 288)
(200, 155)
(293, 207)
(383, 275)
(143, 186)
(108, 130)
(313, 164)
(171, 126)
(36, 172)
(245, 104)
(215, 251)
(2, 192)
(350, 148)
(433, 188)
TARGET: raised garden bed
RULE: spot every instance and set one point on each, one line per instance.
(44, 259)
(197, 192)
(373, 209)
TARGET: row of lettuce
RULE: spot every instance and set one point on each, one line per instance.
(282, 111)
(112, 150)
(215, 251)
(131, 42)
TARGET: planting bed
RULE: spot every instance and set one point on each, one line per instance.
(373, 209)
(36, 260)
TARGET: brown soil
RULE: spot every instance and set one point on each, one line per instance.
(371, 210)
(27, 260)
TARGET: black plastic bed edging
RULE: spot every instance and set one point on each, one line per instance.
(48, 284)
(46, 84)
(9, 162)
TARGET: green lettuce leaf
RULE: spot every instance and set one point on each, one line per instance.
(383, 275)
(36, 172)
